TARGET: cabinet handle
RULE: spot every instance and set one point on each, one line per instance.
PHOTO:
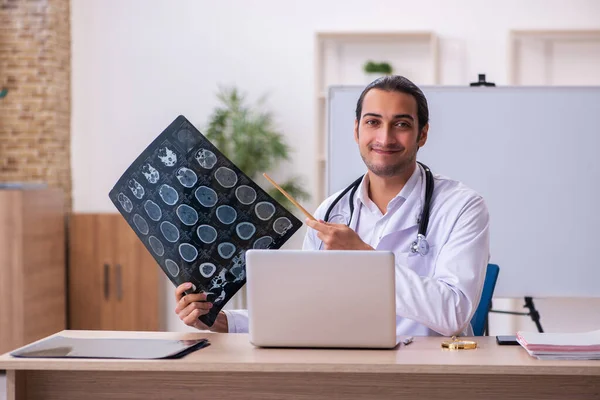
(106, 281)
(119, 283)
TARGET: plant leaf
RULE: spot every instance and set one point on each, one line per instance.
(246, 134)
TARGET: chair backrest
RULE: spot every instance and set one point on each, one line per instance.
(478, 322)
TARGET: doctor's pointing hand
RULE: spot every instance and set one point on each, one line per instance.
(337, 236)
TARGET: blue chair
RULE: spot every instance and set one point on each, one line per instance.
(479, 320)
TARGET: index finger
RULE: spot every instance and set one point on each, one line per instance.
(192, 298)
(316, 225)
(179, 292)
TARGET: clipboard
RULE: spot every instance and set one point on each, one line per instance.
(110, 348)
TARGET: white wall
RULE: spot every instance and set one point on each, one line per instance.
(137, 64)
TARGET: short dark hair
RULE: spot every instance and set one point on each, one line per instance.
(396, 83)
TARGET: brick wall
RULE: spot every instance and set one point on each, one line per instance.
(35, 66)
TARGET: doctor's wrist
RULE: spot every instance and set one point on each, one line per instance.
(366, 247)
(221, 325)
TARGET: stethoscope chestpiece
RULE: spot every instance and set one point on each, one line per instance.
(420, 245)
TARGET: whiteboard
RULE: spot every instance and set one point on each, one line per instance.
(532, 153)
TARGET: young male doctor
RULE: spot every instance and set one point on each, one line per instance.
(437, 291)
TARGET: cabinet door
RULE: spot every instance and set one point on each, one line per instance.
(137, 292)
(91, 252)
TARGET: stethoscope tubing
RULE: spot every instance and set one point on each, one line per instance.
(420, 245)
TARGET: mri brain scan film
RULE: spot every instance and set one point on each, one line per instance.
(197, 213)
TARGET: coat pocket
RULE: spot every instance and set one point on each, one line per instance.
(421, 265)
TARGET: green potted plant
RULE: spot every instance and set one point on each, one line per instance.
(374, 69)
(247, 135)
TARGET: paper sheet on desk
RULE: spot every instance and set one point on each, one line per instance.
(197, 213)
(555, 356)
(563, 346)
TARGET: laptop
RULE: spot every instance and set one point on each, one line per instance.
(321, 299)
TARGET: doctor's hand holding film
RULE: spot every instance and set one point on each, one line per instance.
(337, 236)
(191, 306)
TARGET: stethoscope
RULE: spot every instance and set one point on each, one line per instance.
(420, 245)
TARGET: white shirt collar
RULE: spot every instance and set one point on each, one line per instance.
(363, 191)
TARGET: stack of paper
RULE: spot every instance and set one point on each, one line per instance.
(561, 346)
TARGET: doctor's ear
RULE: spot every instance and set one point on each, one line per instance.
(356, 130)
(422, 138)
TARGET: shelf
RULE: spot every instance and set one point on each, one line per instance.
(382, 36)
(344, 55)
(557, 34)
(565, 58)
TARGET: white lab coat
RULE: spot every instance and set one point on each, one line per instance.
(436, 294)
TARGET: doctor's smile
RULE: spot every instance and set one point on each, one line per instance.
(385, 151)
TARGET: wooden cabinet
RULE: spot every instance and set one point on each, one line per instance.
(114, 282)
(32, 266)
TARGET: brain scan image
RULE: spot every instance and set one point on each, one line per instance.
(263, 242)
(150, 173)
(188, 252)
(207, 269)
(125, 202)
(187, 177)
(168, 194)
(226, 177)
(206, 158)
(156, 246)
(264, 210)
(187, 215)
(245, 230)
(226, 250)
(206, 196)
(141, 224)
(226, 214)
(186, 139)
(152, 210)
(206, 233)
(167, 156)
(169, 231)
(281, 225)
(137, 189)
(172, 268)
(245, 194)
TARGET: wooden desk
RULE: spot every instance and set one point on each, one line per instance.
(231, 368)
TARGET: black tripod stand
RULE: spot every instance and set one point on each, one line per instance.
(533, 313)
